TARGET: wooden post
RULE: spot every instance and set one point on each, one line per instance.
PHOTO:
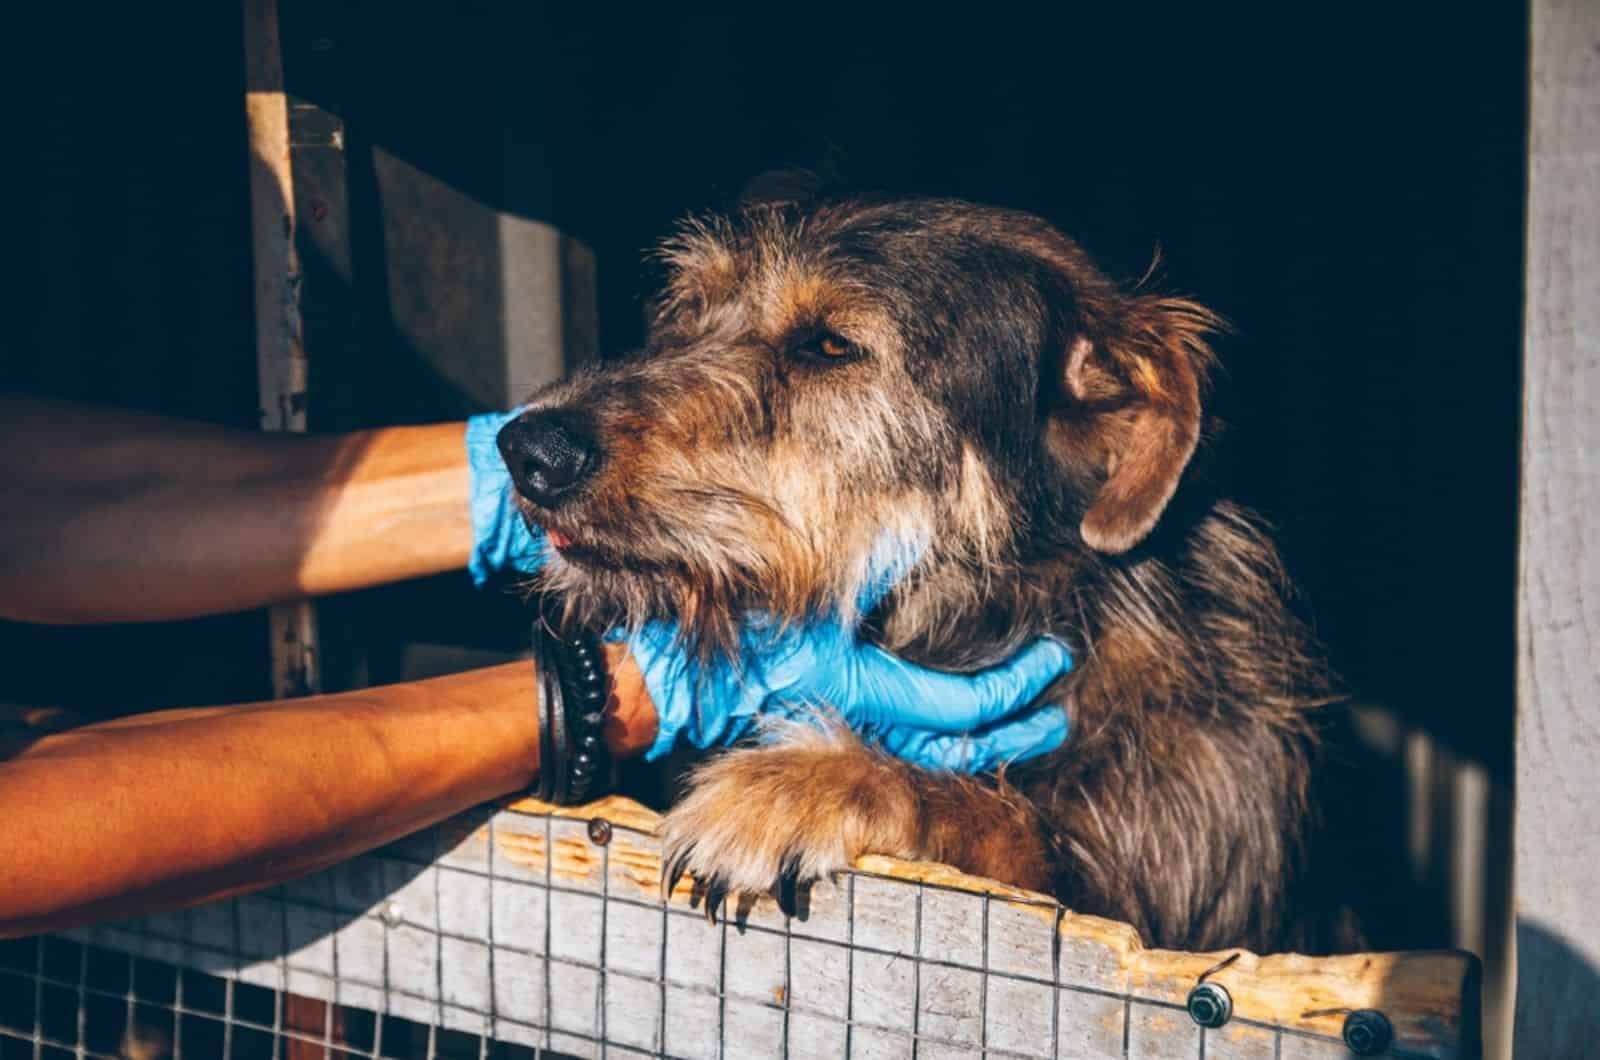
(1558, 609)
(280, 353)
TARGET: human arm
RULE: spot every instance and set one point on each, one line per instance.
(117, 517)
(177, 807)
(172, 808)
(168, 809)
(114, 516)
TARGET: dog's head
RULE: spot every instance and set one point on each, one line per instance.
(818, 376)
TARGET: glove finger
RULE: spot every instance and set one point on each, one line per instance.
(894, 553)
(1038, 732)
(959, 703)
(501, 538)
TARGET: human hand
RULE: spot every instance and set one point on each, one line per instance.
(1017, 738)
(966, 722)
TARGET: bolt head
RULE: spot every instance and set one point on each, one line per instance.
(1210, 1005)
(1367, 1032)
(599, 831)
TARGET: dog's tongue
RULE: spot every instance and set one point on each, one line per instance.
(558, 539)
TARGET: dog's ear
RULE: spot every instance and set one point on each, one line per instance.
(1134, 376)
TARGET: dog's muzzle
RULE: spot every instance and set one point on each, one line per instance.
(549, 455)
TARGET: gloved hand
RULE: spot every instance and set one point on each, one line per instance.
(929, 718)
(501, 537)
(1016, 739)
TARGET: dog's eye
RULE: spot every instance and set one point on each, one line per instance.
(826, 346)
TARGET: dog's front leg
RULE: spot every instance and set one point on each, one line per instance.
(766, 820)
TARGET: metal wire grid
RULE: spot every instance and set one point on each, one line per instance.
(425, 945)
(121, 1005)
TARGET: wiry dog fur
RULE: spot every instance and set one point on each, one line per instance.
(818, 373)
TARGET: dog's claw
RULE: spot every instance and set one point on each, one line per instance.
(674, 873)
(784, 892)
(716, 894)
(741, 841)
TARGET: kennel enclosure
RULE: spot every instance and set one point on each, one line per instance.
(1555, 852)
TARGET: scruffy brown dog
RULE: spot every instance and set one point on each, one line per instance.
(818, 373)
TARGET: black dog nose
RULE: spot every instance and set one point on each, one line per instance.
(548, 454)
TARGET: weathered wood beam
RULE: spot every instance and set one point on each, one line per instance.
(280, 352)
(1429, 996)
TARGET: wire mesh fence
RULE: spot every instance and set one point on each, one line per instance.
(509, 934)
(59, 998)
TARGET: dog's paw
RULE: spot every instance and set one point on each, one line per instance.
(772, 820)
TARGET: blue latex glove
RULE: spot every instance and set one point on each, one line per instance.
(1016, 739)
(929, 718)
(501, 537)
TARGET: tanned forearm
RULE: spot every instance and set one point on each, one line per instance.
(121, 517)
(173, 808)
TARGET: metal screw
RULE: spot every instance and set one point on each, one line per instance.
(1210, 1005)
(1367, 1032)
(599, 831)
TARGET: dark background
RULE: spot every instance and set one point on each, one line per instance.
(1346, 188)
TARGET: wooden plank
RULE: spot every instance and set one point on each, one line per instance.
(1558, 606)
(1429, 996)
(319, 43)
(1241, 1041)
(1161, 1034)
(1089, 1025)
(280, 351)
(520, 922)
